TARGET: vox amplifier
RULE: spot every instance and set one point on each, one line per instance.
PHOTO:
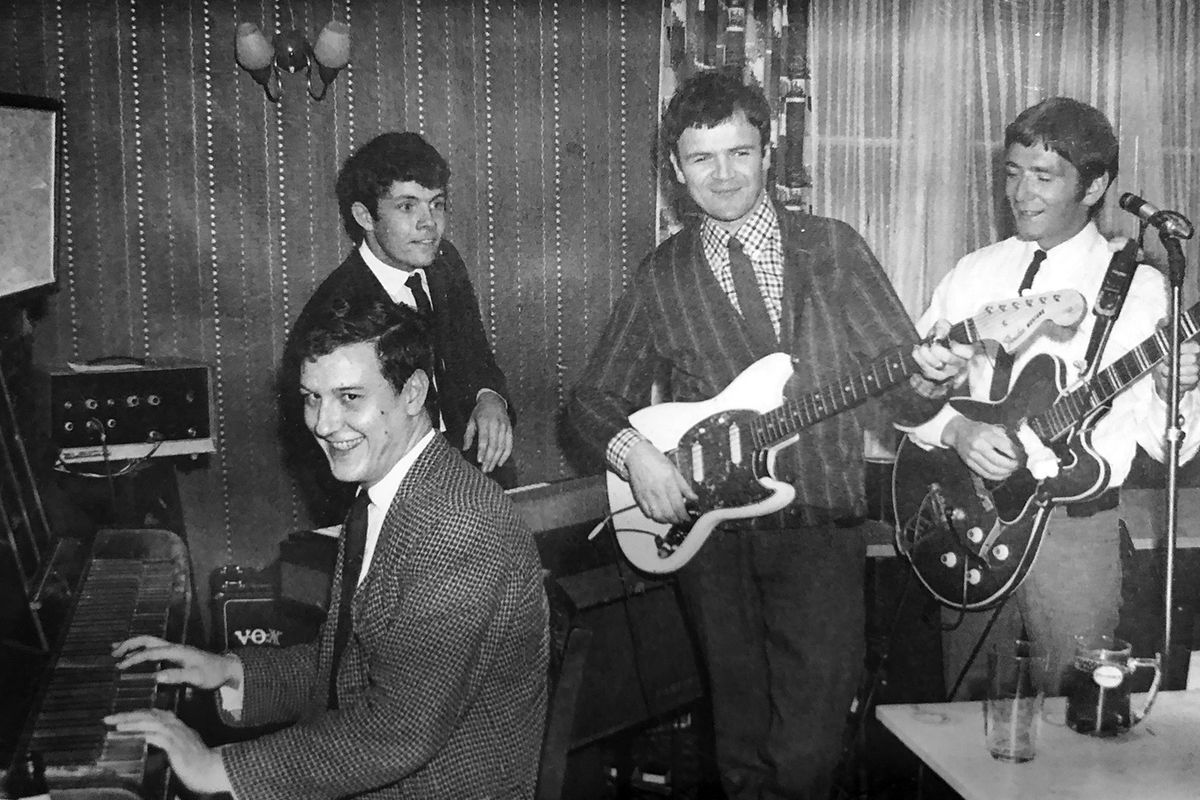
(247, 611)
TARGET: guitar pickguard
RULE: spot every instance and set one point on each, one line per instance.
(971, 542)
(954, 535)
(723, 469)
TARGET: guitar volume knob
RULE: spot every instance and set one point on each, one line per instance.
(974, 577)
(949, 560)
(1000, 552)
(975, 534)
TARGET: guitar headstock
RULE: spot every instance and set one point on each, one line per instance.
(1010, 322)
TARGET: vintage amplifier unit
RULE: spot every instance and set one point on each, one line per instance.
(130, 408)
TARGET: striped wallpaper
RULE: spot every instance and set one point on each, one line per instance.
(197, 216)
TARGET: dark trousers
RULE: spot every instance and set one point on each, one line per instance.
(780, 619)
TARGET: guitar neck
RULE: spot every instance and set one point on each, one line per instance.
(782, 423)
(1072, 407)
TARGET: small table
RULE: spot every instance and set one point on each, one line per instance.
(1159, 758)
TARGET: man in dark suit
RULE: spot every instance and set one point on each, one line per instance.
(392, 197)
(777, 601)
(432, 681)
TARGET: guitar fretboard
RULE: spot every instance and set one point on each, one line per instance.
(1072, 407)
(885, 372)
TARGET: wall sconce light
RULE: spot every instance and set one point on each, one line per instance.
(291, 53)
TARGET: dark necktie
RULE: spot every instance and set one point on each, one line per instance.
(419, 296)
(356, 542)
(750, 299)
(425, 308)
(1002, 370)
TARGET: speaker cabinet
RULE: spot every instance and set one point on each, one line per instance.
(641, 664)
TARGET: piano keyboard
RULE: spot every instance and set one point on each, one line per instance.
(120, 597)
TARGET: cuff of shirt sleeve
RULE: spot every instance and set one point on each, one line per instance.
(618, 450)
(231, 701)
(479, 394)
(928, 435)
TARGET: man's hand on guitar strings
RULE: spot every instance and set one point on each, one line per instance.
(986, 449)
(942, 361)
(660, 491)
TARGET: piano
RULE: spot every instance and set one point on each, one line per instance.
(63, 602)
(134, 581)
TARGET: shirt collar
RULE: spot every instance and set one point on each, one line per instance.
(386, 273)
(1073, 250)
(754, 233)
(384, 491)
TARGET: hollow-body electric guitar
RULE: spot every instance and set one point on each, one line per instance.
(725, 447)
(971, 541)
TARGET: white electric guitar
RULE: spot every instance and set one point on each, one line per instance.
(725, 447)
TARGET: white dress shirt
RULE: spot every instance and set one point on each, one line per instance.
(382, 494)
(1138, 414)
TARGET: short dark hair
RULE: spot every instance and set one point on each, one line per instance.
(370, 171)
(1076, 131)
(401, 336)
(709, 98)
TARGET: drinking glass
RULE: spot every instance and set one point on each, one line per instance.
(1013, 709)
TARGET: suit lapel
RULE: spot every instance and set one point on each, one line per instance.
(398, 532)
(798, 264)
(710, 292)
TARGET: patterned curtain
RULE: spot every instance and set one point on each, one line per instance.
(912, 97)
(767, 40)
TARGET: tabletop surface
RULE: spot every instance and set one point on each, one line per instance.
(1159, 758)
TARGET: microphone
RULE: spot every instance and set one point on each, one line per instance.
(1171, 223)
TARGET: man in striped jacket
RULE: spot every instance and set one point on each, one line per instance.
(778, 600)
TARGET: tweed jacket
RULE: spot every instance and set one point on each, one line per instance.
(839, 313)
(465, 363)
(442, 685)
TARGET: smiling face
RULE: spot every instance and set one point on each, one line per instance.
(1043, 189)
(360, 422)
(723, 168)
(408, 227)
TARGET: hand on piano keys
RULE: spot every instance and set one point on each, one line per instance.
(198, 766)
(195, 667)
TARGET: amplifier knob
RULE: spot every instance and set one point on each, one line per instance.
(112, 423)
(132, 401)
(68, 426)
(153, 399)
(90, 404)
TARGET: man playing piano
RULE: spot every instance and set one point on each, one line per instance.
(435, 686)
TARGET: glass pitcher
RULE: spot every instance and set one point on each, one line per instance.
(1098, 686)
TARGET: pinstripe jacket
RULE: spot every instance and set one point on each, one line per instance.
(839, 312)
(443, 682)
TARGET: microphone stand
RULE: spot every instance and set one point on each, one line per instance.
(1176, 266)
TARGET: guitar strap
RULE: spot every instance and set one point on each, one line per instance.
(1109, 301)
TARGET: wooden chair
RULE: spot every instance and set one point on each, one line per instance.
(569, 645)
